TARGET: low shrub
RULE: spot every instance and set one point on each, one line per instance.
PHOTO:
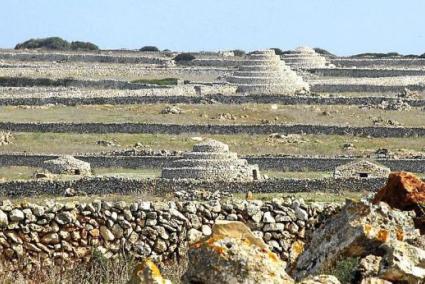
(239, 52)
(376, 55)
(149, 48)
(422, 56)
(184, 57)
(278, 51)
(344, 269)
(81, 45)
(324, 52)
(55, 43)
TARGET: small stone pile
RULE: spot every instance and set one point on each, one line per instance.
(304, 58)
(5, 138)
(171, 110)
(263, 73)
(361, 169)
(287, 138)
(143, 151)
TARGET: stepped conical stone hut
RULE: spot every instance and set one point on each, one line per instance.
(67, 165)
(263, 73)
(304, 58)
(361, 169)
(211, 160)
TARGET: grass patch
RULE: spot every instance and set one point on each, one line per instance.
(159, 82)
(243, 144)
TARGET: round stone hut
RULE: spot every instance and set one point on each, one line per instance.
(263, 73)
(211, 160)
(67, 165)
(304, 58)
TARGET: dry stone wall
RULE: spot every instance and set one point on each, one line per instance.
(284, 163)
(385, 63)
(365, 72)
(59, 127)
(116, 185)
(58, 233)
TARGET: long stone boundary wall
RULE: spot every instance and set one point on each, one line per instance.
(61, 127)
(226, 99)
(101, 58)
(366, 88)
(364, 72)
(392, 62)
(125, 85)
(68, 232)
(284, 163)
(70, 82)
(117, 185)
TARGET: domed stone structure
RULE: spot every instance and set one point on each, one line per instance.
(211, 160)
(263, 73)
(361, 169)
(67, 165)
(304, 58)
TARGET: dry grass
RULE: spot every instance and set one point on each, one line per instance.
(243, 144)
(211, 114)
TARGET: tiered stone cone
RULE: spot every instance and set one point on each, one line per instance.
(304, 58)
(211, 160)
(263, 73)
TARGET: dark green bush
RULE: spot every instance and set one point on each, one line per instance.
(278, 51)
(376, 55)
(149, 48)
(184, 57)
(81, 45)
(56, 43)
(422, 56)
(239, 52)
(324, 52)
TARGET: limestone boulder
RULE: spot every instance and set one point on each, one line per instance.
(232, 254)
(402, 263)
(357, 230)
(403, 191)
(147, 273)
(374, 280)
(320, 279)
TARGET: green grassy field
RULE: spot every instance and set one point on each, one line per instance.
(243, 144)
(213, 114)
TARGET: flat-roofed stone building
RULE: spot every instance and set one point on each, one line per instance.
(263, 73)
(211, 160)
(67, 165)
(304, 58)
(361, 169)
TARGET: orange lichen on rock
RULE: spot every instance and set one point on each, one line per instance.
(400, 235)
(403, 191)
(383, 235)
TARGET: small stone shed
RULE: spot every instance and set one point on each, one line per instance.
(67, 165)
(361, 169)
(211, 160)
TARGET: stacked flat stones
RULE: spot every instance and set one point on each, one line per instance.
(304, 58)
(263, 73)
(211, 160)
(67, 165)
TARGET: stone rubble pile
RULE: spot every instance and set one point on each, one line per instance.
(67, 165)
(55, 232)
(263, 73)
(142, 151)
(6, 138)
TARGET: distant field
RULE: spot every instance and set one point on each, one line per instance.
(243, 144)
(214, 114)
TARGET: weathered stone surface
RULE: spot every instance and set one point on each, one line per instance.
(357, 230)
(106, 234)
(403, 191)
(147, 273)
(3, 219)
(374, 280)
(402, 262)
(320, 279)
(16, 215)
(234, 255)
